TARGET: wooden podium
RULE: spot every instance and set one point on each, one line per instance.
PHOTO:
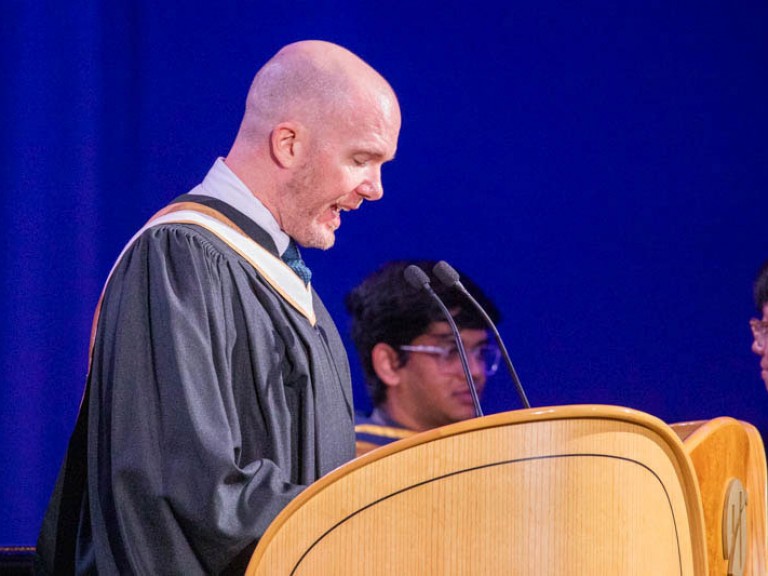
(569, 490)
(729, 459)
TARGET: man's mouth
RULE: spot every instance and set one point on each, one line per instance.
(335, 221)
(336, 210)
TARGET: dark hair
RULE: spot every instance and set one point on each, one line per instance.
(761, 288)
(385, 308)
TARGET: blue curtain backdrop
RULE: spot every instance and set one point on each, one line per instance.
(601, 169)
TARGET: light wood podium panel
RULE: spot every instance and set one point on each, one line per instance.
(723, 450)
(576, 490)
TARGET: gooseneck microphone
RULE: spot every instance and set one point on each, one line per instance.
(417, 278)
(450, 278)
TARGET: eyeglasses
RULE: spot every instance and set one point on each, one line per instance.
(448, 358)
(759, 332)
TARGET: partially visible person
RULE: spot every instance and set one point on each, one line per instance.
(760, 326)
(412, 368)
(218, 386)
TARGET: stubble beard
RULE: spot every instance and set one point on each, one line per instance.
(299, 217)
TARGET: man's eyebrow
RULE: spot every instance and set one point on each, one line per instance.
(370, 153)
(374, 151)
(448, 336)
(440, 335)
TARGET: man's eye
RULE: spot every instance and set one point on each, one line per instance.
(360, 161)
(452, 353)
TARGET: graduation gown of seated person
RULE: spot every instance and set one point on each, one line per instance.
(213, 401)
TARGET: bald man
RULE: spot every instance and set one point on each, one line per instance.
(218, 387)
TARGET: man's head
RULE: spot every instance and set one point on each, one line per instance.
(398, 332)
(760, 325)
(318, 126)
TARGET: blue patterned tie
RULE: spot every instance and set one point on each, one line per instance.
(292, 257)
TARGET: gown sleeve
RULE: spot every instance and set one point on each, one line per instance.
(186, 364)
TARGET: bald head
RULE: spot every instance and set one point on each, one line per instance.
(319, 124)
(312, 82)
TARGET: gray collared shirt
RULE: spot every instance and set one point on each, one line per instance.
(223, 184)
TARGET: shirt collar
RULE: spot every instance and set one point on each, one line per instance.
(223, 184)
(381, 417)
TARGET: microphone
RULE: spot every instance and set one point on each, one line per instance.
(417, 278)
(450, 278)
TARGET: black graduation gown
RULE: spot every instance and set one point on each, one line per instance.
(213, 403)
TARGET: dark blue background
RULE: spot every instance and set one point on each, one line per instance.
(601, 170)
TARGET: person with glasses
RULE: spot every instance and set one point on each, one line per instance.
(412, 367)
(760, 326)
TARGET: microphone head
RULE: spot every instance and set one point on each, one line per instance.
(416, 277)
(446, 273)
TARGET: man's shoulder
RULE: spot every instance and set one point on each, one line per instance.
(371, 432)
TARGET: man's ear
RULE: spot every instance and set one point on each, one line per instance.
(287, 143)
(386, 362)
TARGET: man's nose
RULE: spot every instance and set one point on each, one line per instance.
(372, 189)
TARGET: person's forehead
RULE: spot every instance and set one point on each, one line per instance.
(442, 331)
(437, 329)
(371, 120)
(372, 139)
